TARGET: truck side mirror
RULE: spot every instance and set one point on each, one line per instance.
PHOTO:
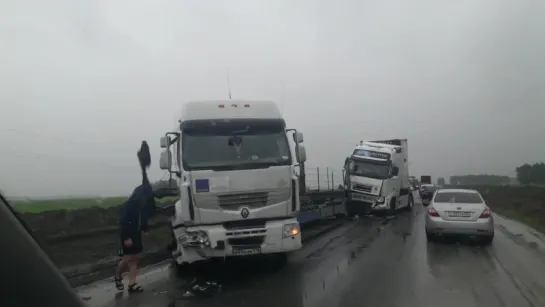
(165, 141)
(165, 161)
(300, 153)
(395, 171)
(298, 137)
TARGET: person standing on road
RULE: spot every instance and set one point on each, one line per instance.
(135, 213)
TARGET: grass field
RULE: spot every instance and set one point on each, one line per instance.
(37, 206)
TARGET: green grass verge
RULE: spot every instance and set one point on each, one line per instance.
(533, 221)
(38, 206)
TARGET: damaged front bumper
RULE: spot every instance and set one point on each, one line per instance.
(196, 243)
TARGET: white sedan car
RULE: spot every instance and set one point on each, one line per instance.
(459, 212)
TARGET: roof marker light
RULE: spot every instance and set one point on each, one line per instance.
(221, 106)
(234, 105)
(246, 105)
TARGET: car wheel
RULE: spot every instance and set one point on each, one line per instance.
(430, 237)
(488, 240)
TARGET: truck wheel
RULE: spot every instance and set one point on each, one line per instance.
(280, 261)
(183, 270)
(350, 209)
(393, 207)
(173, 245)
(410, 204)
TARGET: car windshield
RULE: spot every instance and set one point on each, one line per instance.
(372, 169)
(233, 147)
(458, 198)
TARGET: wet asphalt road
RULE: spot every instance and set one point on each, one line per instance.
(369, 261)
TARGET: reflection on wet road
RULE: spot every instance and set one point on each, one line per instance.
(368, 261)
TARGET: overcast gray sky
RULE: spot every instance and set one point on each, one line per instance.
(462, 80)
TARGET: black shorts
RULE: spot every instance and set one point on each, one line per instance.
(136, 247)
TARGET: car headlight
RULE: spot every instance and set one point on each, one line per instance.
(291, 230)
(194, 238)
(380, 200)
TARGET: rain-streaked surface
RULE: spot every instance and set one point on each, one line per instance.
(371, 261)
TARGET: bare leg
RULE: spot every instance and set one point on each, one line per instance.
(136, 260)
(133, 269)
(121, 266)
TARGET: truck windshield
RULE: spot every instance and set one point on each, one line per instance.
(230, 145)
(371, 169)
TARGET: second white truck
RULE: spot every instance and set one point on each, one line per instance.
(377, 177)
(239, 192)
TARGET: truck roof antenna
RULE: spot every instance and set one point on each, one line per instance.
(228, 83)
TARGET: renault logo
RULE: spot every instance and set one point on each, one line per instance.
(244, 212)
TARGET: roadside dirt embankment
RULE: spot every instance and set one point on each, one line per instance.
(81, 241)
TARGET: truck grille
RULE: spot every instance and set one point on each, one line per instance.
(250, 200)
(363, 188)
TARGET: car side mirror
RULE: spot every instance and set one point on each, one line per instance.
(395, 171)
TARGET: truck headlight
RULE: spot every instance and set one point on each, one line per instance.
(380, 200)
(291, 230)
(194, 238)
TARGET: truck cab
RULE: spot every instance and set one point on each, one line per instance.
(239, 192)
(377, 178)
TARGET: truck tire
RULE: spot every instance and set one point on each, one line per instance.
(410, 204)
(278, 262)
(351, 209)
(393, 206)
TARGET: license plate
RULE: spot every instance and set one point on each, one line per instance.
(246, 251)
(459, 214)
(362, 197)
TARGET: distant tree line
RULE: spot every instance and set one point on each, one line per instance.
(481, 179)
(531, 173)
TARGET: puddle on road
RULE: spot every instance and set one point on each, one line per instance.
(322, 283)
(322, 280)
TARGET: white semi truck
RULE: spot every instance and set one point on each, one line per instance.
(239, 192)
(376, 177)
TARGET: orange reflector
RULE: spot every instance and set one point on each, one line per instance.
(246, 105)
(221, 106)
